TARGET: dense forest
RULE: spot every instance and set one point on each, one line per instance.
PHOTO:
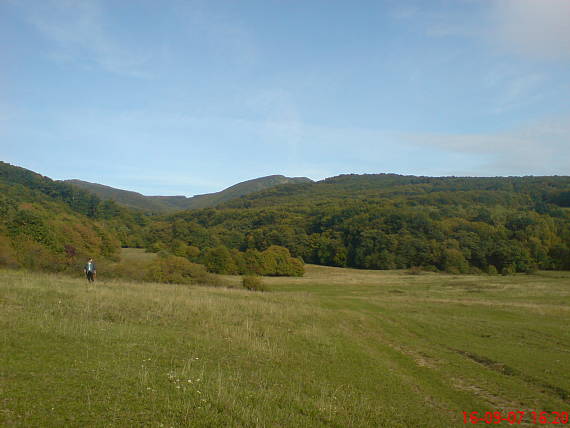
(165, 204)
(54, 226)
(50, 225)
(380, 221)
(386, 221)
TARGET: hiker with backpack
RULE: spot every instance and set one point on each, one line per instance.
(90, 270)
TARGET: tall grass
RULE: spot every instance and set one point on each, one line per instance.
(337, 348)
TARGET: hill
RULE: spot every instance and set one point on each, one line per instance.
(549, 189)
(163, 204)
(50, 225)
(374, 221)
(386, 221)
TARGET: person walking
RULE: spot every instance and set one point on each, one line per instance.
(90, 270)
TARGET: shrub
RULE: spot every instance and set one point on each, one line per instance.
(253, 283)
(174, 269)
(252, 262)
(277, 261)
(133, 270)
(296, 267)
(7, 254)
(219, 260)
(192, 253)
(454, 261)
(415, 270)
(34, 256)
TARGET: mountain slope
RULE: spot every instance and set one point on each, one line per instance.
(125, 197)
(163, 204)
(243, 189)
(49, 225)
(386, 221)
(375, 187)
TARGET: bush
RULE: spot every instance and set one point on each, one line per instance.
(252, 262)
(454, 261)
(277, 261)
(174, 269)
(253, 283)
(132, 270)
(219, 260)
(7, 254)
(415, 270)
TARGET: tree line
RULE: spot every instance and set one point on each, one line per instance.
(462, 225)
(382, 221)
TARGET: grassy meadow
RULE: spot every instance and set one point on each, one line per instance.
(336, 348)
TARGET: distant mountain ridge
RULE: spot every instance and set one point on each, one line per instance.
(163, 204)
(372, 221)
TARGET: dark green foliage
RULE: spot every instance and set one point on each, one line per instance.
(219, 260)
(454, 261)
(382, 221)
(24, 186)
(49, 225)
(392, 222)
(275, 261)
(163, 204)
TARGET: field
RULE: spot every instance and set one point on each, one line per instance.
(336, 348)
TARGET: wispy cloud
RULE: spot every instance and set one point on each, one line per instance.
(79, 35)
(404, 11)
(222, 36)
(514, 89)
(533, 28)
(539, 148)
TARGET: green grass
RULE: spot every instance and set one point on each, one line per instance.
(336, 348)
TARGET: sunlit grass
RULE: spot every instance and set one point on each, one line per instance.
(334, 348)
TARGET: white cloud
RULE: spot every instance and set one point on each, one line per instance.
(535, 28)
(542, 148)
(405, 11)
(79, 35)
(222, 36)
(517, 90)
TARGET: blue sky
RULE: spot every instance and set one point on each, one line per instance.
(189, 97)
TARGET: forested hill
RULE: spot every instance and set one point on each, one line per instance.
(390, 221)
(163, 204)
(488, 190)
(50, 225)
(382, 221)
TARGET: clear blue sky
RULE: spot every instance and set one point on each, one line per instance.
(188, 97)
